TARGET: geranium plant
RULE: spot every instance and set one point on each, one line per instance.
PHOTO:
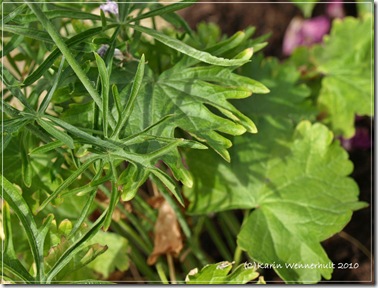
(121, 138)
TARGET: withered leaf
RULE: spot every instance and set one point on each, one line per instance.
(168, 238)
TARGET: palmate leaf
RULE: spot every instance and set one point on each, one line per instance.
(190, 95)
(295, 179)
(346, 60)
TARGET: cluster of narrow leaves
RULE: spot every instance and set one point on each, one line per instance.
(81, 124)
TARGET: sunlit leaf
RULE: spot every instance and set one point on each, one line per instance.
(346, 61)
(116, 256)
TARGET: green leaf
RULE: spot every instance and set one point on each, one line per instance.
(68, 55)
(188, 95)
(8, 247)
(104, 76)
(13, 85)
(75, 248)
(163, 10)
(83, 215)
(11, 127)
(287, 99)
(132, 178)
(167, 181)
(14, 267)
(59, 135)
(306, 7)
(117, 100)
(65, 227)
(81, 258)
(190, 51)
(47, 99)
(115, 258)
(81, 134)
(67, 182)
(10, 262)
(287, 186)
(26, 165)
(346, 61)
(24, 19)
(21, 209)
(294, 179)
(114, 198)
(7, 17)
(364, 7)
(47, 147)
(49, 61)
(320, 199)
(218, 274)
(131, 101)
(28, 32)
(12, 44)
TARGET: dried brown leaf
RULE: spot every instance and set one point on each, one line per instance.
(168, 238)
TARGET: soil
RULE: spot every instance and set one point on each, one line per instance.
(354, 244)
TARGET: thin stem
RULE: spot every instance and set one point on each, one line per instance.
(218, 241)
(160, 270)
(237, 256)
(171, 267)
(356, 243)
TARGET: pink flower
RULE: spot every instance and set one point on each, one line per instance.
(110, 6)
(335, 9)
(305, 32)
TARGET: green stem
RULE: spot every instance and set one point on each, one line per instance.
(356, 243)
(136, 223)
(229, 236)
(218, 241)
(172, 274)
(158, 58)
(140, 263)
(160, 270)
(237, 256)
(123, 228)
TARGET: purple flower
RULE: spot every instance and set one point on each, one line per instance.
(335, 9)
(102, 50)
(110, 6)
(361, 140)
(305, 32)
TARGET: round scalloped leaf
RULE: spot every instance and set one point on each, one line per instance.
(346, 60)
(297, 186)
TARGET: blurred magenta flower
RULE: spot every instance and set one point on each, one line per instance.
(110, 6)
(335, 9)
(305, 32)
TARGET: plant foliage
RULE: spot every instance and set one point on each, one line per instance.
(104, 111)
